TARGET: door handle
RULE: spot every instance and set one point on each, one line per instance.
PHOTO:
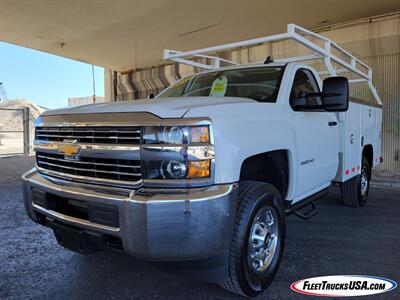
(332, 123)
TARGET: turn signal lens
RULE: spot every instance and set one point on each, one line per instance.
(199, 169)
(199, 134)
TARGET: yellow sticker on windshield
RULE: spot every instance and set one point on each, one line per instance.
(183, 81)
(218, 88)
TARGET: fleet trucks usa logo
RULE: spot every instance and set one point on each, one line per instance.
(343, 286)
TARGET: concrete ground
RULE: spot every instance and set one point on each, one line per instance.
(338, 240)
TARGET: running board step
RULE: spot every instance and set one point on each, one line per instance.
(306, 214)
(298, 209)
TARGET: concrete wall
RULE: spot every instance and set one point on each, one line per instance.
(375, 40)
(84, 100)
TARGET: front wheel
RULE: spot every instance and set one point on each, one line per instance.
(258, 239)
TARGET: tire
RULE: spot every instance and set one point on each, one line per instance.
(250, 276)
(355, 190)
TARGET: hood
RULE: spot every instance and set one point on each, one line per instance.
(163, 107)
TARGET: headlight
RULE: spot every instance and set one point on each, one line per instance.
(176, 135)
(173, 169)
(177, 152)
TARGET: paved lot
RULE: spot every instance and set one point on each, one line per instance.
(338, 240)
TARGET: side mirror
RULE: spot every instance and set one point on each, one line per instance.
(335, 94)
(300, 101)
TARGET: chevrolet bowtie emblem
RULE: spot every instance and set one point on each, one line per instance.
(68, 149)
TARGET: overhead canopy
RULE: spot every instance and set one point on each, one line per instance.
(125, 35)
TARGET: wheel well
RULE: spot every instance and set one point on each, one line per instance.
(369, 154)
(271, 167)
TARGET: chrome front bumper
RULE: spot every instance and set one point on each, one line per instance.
(161, 225)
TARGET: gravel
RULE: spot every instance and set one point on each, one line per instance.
(11, 168)
(338, 240)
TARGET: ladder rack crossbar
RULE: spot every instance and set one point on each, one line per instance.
(297, 34)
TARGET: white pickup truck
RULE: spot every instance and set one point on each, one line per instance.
(203, 175)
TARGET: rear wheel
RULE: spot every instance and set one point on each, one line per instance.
(258, 239)
(355, 190)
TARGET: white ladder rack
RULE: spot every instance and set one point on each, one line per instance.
(297, 34)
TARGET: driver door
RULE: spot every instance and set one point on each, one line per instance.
(317, 138)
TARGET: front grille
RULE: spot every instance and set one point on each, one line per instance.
(107, 168)
(98, 134)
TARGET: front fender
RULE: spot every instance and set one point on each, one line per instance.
(246, 129)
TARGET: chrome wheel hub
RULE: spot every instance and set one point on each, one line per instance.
(263, 239)
(364, 181)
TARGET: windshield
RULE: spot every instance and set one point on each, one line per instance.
(260, 83)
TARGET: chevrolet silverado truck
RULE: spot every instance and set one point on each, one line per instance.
(204, 175)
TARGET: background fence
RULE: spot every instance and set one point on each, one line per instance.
(14, 131)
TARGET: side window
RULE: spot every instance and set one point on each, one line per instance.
(304, 81)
